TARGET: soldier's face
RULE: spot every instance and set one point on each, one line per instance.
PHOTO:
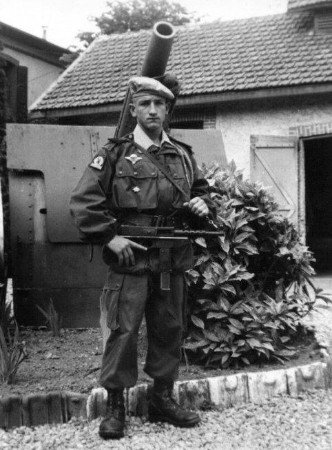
(150, 112)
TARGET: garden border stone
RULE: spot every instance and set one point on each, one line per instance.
(220, 391)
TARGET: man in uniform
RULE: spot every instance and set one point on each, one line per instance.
(146, 178)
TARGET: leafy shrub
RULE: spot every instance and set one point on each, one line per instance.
(12, 353)
(251, 287)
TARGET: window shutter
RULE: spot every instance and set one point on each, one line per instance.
(22, 95)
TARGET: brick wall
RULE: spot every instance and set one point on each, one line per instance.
(314, 129)
(207, 116)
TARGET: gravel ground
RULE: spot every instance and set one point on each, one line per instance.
(281, 423)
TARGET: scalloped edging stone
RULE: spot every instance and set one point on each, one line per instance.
(226, 391)
(39, 409)
(221, 391)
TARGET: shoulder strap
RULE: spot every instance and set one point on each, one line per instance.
(160, 167)
(183, 144)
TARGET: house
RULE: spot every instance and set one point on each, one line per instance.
(265, 82)
(31, 65)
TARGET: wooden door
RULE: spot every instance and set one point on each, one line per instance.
(274, 161)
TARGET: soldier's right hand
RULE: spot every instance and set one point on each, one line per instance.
(122, 247)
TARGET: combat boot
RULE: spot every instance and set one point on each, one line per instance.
(112, 425)
(163, 407)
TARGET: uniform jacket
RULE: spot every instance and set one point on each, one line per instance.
(122, 180)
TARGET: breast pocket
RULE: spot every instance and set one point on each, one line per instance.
(136, 186)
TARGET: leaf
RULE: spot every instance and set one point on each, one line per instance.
(216, 315)
(195, 345)
(237, 202)
(241, 237)
(233, 329)
(201, 242)
(211, 336)
(241, 223)
(197, 321)
(324, 298)
(251, 208)
(247, 248)
(244, 276)
(228, 288)
(268, 346)
(224, 304)
(207, 304)
(254, 343)
(284, 251)
(245, 360)
(224, 358)
(202, 259)
(236, 323)
(224, 244)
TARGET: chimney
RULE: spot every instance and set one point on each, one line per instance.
(44, 32)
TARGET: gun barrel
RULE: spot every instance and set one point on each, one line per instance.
(159, 49)
(154, 65)
(164, 233)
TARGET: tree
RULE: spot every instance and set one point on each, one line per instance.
(134, 15)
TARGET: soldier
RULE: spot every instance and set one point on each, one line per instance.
(142, 179)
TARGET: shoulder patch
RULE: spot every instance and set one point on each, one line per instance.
(98, 162)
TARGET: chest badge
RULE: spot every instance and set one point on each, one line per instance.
(133, 158)
(136, 189)
(98, 163)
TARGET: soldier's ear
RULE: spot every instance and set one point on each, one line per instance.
(168, 106)
(132, 109)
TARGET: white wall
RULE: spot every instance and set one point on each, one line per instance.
(40, 74)
(238, 122)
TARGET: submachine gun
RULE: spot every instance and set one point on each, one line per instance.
(164, 239)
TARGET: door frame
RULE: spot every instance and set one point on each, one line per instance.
(302, 181)
(301, 190)
(306, 132)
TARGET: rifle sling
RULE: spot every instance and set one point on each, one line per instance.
(160, 167)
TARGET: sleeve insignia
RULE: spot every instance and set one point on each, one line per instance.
(98, 162)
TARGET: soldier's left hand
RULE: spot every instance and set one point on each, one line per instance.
(197, 206)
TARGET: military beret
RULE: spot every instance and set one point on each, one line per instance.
(144, 85)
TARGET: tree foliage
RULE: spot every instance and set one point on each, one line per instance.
(134, 15)
(250, 288)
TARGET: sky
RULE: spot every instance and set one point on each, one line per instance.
(64, 19)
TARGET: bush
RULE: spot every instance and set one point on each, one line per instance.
(12, 353)
(251, 287)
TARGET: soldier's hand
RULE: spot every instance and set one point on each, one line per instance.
(197, 206)
(122, 247)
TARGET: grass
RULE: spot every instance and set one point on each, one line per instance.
(12, 353)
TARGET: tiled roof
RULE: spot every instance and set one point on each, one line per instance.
(218, 57)
(301, 4)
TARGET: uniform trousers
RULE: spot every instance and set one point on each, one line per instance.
(125, 299)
